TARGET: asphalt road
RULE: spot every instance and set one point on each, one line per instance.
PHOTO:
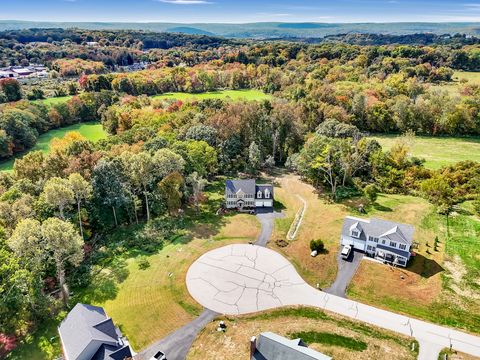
(176, 345)
(241, 279)
(346, 271)
(267, 220)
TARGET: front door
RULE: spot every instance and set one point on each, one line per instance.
(240, 204)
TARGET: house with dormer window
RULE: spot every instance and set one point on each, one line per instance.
(247, 194)
(384, 240)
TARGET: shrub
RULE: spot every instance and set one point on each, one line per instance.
(317, 245)
(143, 263)
(371, 192)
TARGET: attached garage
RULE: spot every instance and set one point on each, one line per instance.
(357, 243)
(263, 203)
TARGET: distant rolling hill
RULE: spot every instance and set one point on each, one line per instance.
(262, 30)
(189, 31)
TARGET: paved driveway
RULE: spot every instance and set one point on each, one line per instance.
(176, 345)
(346, 271)
(267, 219)
(239, 279)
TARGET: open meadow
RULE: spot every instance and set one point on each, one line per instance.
(92, 131)
(234, 95)
(438, 151)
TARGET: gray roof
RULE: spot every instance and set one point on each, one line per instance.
(86, 324)
(379, 228)
(271, 346)
(247, 186)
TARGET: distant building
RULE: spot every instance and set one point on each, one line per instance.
(23, 71)
(270, 346)
(4, 74)
(246, 194)
(87, 333)
(384, 240)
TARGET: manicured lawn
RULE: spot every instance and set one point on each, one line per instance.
(328, 333)
(150, 302)
(439, 151)
(234, 95)
(91, 131)
(455, 87)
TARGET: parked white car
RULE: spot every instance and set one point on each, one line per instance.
(314, 253)
(346, 250)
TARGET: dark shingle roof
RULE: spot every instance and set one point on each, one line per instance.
(401, 233)
(263, 187)
(86, 324)
(271, 346)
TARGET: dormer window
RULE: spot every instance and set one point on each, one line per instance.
(259, 194)
(355, 233)
(267, 194)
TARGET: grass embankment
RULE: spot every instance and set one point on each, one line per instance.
(438, 151)
(92, 131)
(328, 333)
(148, 302)
(233, 95)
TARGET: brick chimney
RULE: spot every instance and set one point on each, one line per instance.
(253, 345)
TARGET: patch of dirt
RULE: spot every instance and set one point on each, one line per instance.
(412, 288)
(456, 272)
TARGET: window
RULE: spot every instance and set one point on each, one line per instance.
(402, 246)
(383, 241)
(267, 194)
(372, 238)
(354, 233)
(393, 244)
(259, 194)
(369, 248)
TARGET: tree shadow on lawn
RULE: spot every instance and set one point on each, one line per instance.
(104, 284)
(424, 266)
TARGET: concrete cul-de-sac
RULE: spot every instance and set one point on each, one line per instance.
(241, 279)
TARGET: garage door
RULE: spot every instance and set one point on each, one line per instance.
(357, 244)
(268, 203)
(259, 203)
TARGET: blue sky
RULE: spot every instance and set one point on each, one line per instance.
(240, 11)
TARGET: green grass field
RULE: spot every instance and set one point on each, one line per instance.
(92, 131)
(55, 100)
(453, 88)
(234, 95)
(438, 151)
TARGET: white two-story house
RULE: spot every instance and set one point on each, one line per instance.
(246, 194)
(384, 240)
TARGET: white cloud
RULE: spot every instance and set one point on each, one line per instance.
(185, 2)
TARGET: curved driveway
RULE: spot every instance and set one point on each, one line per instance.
(239, 279)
